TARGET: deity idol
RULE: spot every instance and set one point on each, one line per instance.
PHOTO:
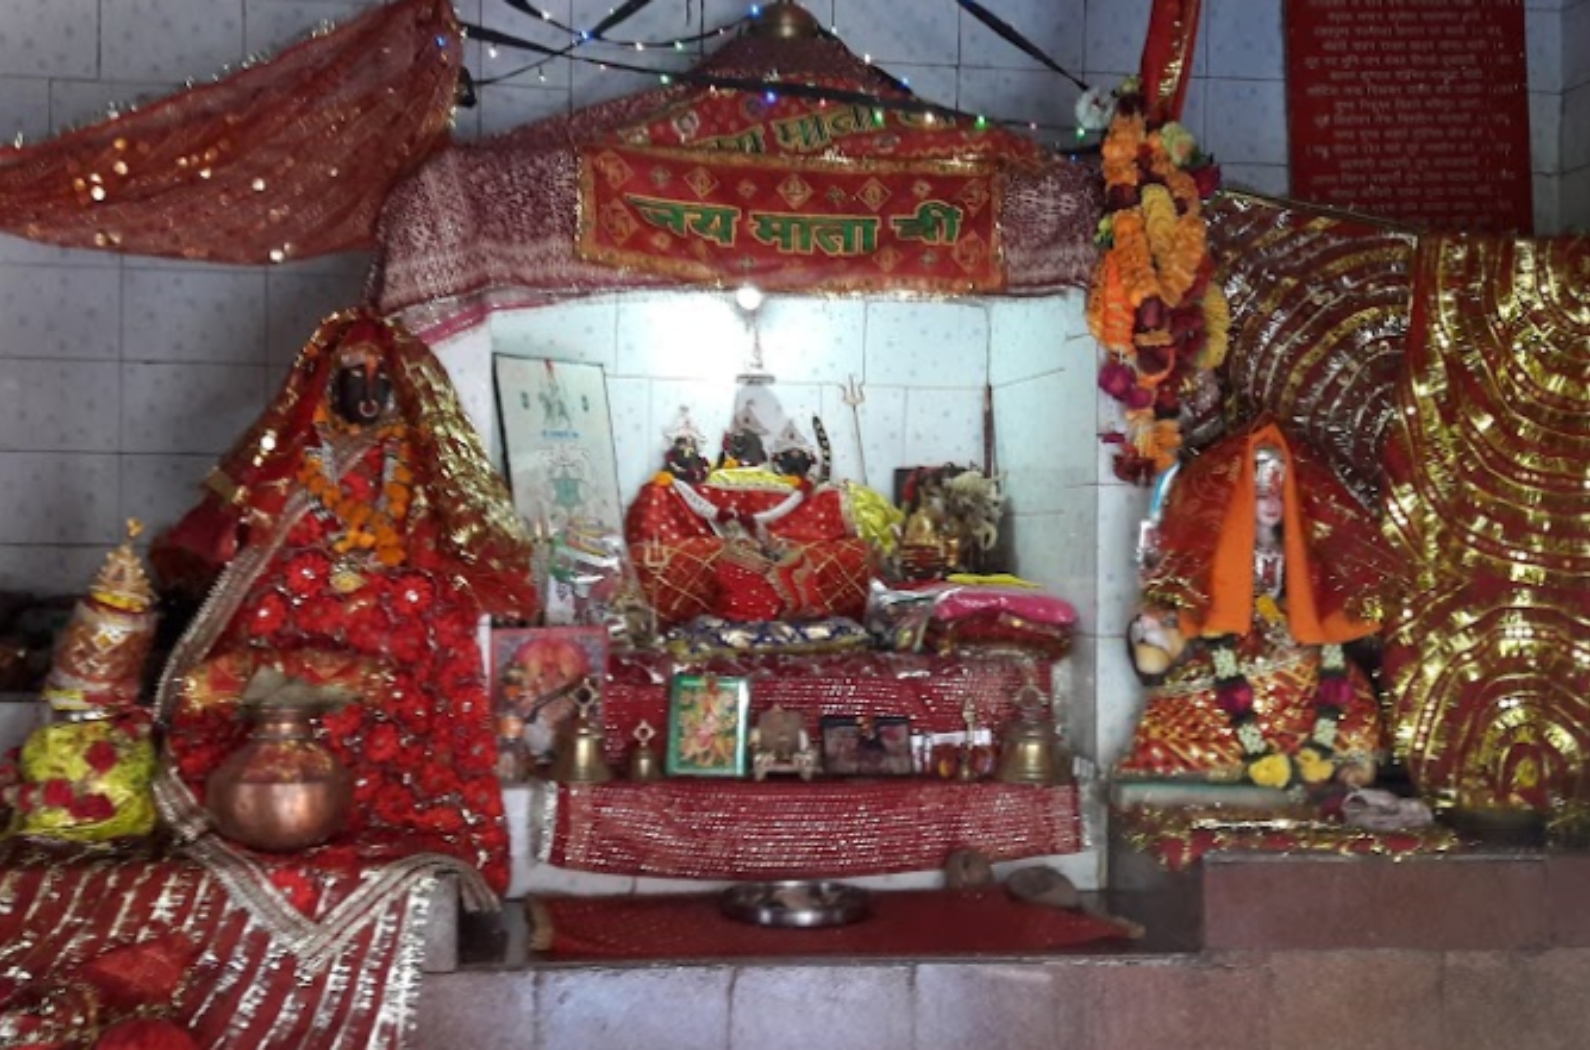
(362, 534)
(1265, 566)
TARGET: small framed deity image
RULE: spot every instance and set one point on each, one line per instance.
(537, 674)
(857, 746)
(708, 726)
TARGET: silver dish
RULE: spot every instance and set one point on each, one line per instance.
(796, 903)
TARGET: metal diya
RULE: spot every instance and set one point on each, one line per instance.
(797, 903)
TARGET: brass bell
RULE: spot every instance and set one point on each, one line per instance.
(644, 762)
(1031, 749)
(577, 757)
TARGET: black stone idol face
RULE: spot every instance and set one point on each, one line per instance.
(361, 390)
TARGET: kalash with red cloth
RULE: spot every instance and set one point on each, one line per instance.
(359, 534)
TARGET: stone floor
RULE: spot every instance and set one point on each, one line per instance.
(1446, 953)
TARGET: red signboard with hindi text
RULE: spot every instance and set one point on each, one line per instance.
(1412, 110)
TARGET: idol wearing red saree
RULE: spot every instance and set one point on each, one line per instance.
(359, 555)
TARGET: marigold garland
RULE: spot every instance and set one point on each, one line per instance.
(1153, 304)
(374, 525)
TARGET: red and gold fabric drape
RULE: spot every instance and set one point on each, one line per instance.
(288, 159)
(1488, 653)
(1168, 56)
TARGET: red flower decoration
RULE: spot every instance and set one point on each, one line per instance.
(407, 643)
(269, 616)
(1207, 178)
(412, 592)
(1234, 697)
(307, 572)
(475, 757)
(393, 806)
(437, 781)
(482, 795)
(1117, 379)
(1334, 691)
(101, 756)
(1139, 397)
(58, 793)
(92, 807)
(344, 722)
(382, 744)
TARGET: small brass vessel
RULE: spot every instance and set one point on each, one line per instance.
(283, 790)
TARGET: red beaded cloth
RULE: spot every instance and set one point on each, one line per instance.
(914, 924)
(711, 829)
(345, 972)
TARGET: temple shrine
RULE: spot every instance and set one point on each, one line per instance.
(1016, 524)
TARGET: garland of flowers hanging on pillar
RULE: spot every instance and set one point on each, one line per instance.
(1153, 304)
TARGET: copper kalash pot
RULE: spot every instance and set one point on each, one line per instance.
(282, 790)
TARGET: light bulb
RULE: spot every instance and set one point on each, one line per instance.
(748, 297)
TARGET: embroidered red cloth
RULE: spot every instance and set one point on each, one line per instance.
(775, 830)
(913, 924)
(498, 220)
(688, 571)
(162, 935)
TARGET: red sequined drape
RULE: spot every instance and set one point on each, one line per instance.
(285, 160)
(1168, 56)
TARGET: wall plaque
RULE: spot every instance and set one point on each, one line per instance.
(1412, 110)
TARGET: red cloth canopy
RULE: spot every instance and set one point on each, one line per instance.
(508, 220)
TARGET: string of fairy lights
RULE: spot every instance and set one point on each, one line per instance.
(495, 39)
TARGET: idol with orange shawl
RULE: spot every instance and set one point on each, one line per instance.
(1265, 565)
(359, 534)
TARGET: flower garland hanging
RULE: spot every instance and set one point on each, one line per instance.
(1153, 303)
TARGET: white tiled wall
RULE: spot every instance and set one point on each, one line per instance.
(1574, 188)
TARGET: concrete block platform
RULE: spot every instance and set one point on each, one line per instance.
(1474, 950)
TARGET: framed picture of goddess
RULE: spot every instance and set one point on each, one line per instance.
(708, 725)
(559, 442)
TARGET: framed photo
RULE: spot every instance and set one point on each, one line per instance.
(857, 746)
(708, 725)
(559, 440)
(535, 673)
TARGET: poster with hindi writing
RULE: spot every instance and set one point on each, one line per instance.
(1412, 110)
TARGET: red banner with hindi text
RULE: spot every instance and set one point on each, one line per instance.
(792, 222)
